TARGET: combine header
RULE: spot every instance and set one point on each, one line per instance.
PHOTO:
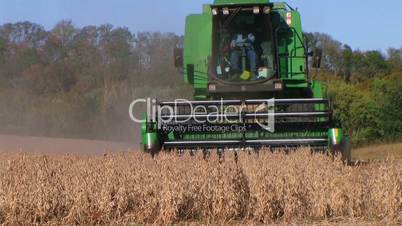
(249, 65)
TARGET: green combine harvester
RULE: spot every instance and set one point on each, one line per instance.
(249, 65)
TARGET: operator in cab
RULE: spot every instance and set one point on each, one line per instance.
(242, 48)
(243, 45)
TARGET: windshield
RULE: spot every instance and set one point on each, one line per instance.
(244, 47)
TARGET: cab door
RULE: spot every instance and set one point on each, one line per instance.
(197, 50)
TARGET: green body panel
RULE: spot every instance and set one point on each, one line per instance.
(197, 49)
(143, 128)
(149, 136)
(290, 47)
(319, 91)
(239, 2)
(296, 64)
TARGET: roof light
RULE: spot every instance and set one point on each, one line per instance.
(256, 10)
(267, 10)
(215, 11)
(225, 11)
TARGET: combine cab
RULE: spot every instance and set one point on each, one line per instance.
(249, 65)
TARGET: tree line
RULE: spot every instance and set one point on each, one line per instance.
(71, 81)
(366, 88)
(78, 82)
(354, 66)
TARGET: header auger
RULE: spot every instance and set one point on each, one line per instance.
(249, 65)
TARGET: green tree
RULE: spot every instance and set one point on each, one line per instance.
(375, 64)
(388, 96)
(395, 59)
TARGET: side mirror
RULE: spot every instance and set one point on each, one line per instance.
(317, 57)
(178, 57)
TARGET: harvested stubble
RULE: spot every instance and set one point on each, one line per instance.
(133, 187)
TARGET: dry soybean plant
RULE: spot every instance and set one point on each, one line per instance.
(252, 188)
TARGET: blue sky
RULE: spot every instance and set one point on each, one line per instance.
(363, 24)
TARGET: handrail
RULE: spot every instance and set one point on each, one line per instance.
(295, 34)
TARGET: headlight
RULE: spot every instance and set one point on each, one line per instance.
(225, 11)
(256, 10)
(267, 10)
